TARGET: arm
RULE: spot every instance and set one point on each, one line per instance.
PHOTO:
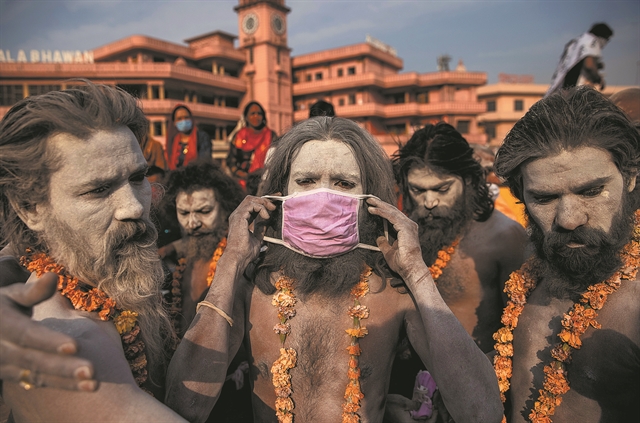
(192, 390)
(464, 375)
(118, 398)
(590, 71)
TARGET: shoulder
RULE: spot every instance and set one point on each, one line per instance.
(500, 227)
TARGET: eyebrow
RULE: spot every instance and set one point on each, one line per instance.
(312, 174)
(583, 187)
(95, 183)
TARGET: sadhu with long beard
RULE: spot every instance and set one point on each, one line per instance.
(570, 347)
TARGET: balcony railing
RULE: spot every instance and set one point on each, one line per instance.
(199, 110)
(119, 71)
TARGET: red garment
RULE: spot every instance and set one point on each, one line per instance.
(259, 143)
(192, 149)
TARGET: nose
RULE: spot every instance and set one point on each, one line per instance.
(129, 203)
(193, 222)
(430, 200)
(570, 214)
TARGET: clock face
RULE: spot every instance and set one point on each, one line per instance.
(277, 23)
(250, 23)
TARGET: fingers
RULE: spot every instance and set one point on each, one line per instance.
(38, 380)
(36, 291)
(392, 214)
(251, 207)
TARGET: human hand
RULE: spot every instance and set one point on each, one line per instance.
(404, 255)
(242, 242)
(31, 354)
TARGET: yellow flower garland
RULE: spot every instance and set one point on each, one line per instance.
(285, 300)
(575, 322)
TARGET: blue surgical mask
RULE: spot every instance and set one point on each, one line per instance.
(184, 125)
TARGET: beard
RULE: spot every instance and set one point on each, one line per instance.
(201, 246)
(578, 268)
(128, 269)
(329, 277)
(440, 228)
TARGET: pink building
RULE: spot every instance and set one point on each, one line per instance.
(363, 83)
(215, 75)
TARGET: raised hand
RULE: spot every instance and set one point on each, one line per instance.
(242, 241)
(31, 354)
(404, 256)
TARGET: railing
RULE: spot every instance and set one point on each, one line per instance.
(116, 70)
(202, 110)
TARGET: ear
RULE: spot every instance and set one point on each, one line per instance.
(32, 216)
(632, 181)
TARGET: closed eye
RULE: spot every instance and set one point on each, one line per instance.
(305, 181)
(543, 199)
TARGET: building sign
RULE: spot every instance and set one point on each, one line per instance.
(380, 45)
(47, 56)
(507, 78)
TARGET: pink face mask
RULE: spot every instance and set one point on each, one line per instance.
(320, 223)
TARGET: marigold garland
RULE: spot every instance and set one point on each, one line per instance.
(87, 298)
(442, 260)
(353, 394)
(175, 303)
(285, 300)
(574, 323)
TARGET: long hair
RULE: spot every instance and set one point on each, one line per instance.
(203, 175)
(26, 164)
(375, 169)
(564, 121)
(444, 150)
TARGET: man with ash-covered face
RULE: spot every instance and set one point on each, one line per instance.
(322, 314)
(570, 349)
(201, 196)
(445, 193)
(74, 200)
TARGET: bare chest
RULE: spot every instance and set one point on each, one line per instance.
(603, 375)
(318, 335)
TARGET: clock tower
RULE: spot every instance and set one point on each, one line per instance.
(263, 37)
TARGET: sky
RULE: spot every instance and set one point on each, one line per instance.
(492, 36)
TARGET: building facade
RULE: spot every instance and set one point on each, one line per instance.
(364, 84)
(508, 100)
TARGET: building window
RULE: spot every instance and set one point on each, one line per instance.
(43, 89)
(422, 98)
(296, 79)
(398, 98)
(10, 94)
(518, 105)
(463, 126)
(157, 59)
(308, 78)
(233, 102)
(352, 99)
(251, 55)
(351, 70)
(318, 76)
(340, 72)
(491, 106)
(398, 129)
(490, 130)
(341, 102)
(157, 129)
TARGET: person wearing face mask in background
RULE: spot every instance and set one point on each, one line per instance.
(249, 146)
(185, 142)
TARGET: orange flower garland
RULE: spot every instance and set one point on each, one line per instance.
(285, 301)
(574, 323)
(441, 262)
(175, 306)
(353, 394)
(87, 298)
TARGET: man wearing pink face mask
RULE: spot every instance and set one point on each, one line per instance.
(322, 305)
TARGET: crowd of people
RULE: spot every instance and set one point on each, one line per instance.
(336, 285)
